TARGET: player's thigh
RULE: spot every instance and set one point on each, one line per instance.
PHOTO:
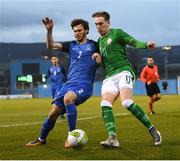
(109, 90)
(111, 97)
(126, 93)
(126, 85)
(83, 92)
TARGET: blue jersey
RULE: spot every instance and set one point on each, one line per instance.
(55, 74)
(82, 67)
(81, 71)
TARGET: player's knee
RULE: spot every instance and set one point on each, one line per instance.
(127, 102)
(106, 103)
(158, 97)
(150, 101)
(69, 98)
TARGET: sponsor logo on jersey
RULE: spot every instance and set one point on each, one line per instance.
(109, 41)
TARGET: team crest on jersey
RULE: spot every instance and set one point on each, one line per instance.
(89, 47)
(109, 41)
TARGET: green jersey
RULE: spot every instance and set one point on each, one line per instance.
(114, 52)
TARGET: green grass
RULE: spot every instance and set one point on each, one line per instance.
(135, 141)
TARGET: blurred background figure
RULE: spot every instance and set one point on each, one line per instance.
(150, 76)
(56, 73)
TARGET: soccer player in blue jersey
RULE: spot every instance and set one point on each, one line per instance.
(84, 59)
(55, 73)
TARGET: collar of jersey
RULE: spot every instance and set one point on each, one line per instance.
(83, 43)
(106, 33)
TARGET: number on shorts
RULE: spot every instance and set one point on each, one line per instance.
(128, 79)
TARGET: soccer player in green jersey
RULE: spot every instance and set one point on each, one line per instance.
(119, 77)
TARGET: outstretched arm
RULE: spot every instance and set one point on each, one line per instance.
(140, 44)
(124, 37)
(48, 23)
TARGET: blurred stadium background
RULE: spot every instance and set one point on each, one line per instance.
(22, 67)
(24, 60)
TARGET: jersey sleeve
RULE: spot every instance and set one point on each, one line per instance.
(96, 46)
(127, 39)
(48, 74)
(66, 46)
(143, 75)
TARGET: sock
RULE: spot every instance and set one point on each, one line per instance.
(46, 128)
(109, 120)
(71, 113)
(140, 115)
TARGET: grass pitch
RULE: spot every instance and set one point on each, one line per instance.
(21, 121)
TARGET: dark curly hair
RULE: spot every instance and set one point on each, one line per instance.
(76, 22)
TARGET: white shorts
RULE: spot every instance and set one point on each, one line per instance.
(116, 82)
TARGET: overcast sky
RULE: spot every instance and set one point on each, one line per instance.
(159, 20)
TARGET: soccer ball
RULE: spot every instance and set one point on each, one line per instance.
(77, 138)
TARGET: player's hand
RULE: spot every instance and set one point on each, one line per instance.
(148, 83)
(151, 44)
(48, 23)
(97, 57)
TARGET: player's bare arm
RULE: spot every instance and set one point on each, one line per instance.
(48, 23)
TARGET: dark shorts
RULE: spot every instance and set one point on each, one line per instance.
(152, 89)
(83, 91)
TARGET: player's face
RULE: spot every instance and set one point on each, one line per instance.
(80, 33)
(150, 61)
(54, 61)
(102, 25)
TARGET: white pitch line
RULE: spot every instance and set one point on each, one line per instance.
(59, 121)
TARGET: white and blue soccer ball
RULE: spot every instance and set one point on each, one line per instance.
(77, 138)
